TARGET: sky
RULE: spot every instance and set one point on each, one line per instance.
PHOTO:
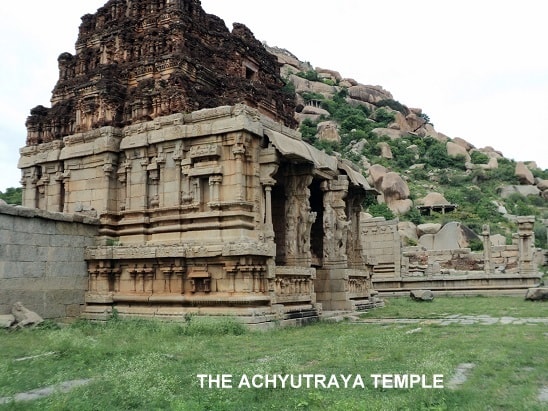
(479, 69)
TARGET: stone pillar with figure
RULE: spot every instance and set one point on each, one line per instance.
(526, 244)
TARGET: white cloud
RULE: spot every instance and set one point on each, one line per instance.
(478, 68)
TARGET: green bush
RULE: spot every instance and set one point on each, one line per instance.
(356, 121)
(12, 195)
(288, 87)
(436, 156)
(506, 172)
(382, 115)
(394, 105)
(309, 129)
(476, 244)
(381, 210)
(479, 158)
(328, 146)
(425, 117)
(414, 216)
(311, 75)
(520, 205)
(308, 96)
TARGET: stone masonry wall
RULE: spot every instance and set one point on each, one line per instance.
(42, 260)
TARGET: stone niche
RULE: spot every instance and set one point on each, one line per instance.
(221, 211)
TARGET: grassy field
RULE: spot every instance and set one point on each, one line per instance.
(148, 365)
(443, 307)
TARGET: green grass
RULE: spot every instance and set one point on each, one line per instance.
(149, 365)
(440, 307)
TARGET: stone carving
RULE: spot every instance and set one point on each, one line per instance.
(24, 317)
(134, 62)
(201, 199)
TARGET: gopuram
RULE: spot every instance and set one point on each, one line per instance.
(179, 136)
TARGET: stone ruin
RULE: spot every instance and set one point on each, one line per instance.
(448, 267)
(177, 137)
(177, 134)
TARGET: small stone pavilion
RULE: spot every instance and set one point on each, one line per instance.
(179, 136)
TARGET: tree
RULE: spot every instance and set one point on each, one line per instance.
(12, 195)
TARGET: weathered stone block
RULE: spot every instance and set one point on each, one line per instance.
(7, 320)
(422, 295)
(537, 294)
(73, 310)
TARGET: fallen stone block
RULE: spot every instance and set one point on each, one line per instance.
(422, 295)
(6, 321)
(537, 294)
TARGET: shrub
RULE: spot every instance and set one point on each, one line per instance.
(542, 174)
(506, 171)
(12, 195)
(541, 241)
(382, 115)
(425, 117)
(328, 146)
(436, 156)
(414, 216)
(311, 75)
(381, 210)
(288, 87)
(309, 130)
(476, 244)
(394, 105)
(354, 122)
(479, 158)
(308, 96)
(520, 205)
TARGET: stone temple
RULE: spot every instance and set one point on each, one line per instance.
(178, 135)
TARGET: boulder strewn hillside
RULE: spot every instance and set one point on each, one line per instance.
(407, 160)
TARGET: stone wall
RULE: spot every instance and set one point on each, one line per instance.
(42, 260)
(498, 268)
(381, 247)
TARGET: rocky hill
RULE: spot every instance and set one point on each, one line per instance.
(422, 175)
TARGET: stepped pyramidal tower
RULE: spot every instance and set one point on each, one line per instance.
(179, 136)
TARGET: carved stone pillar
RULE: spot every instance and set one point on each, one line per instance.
(354, 242)
(58, 201)
(42, 192)
(239, 152)
(335, 221)
(92, 279)
(178, 158)
(109, 165)
(148, 279)
(486, 236)
(188, 192)
(66, 190)
(268, 226)
(161, 161)
(299, 220)
(153, 182)
(268, 168)
(525, 232)
(143, 194)
(215, 188)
